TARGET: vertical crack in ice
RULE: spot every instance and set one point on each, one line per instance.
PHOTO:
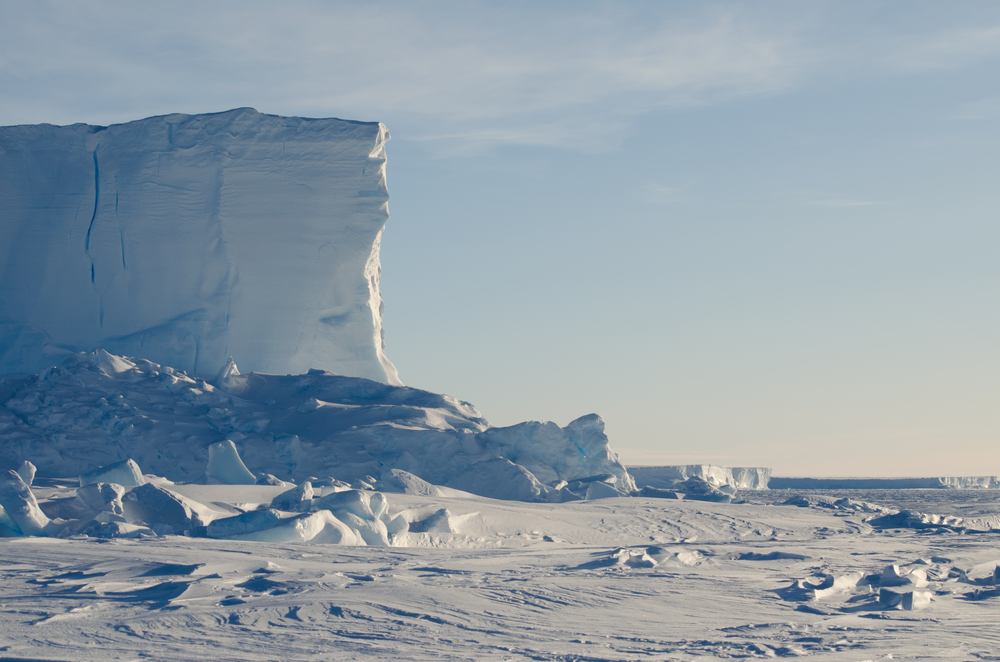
(121, 232)
(86, 244)
(97, 197)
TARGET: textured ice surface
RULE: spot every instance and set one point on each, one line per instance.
(187, 239)
(99, 409)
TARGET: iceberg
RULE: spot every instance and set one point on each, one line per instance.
(668, 477)
(188, 239)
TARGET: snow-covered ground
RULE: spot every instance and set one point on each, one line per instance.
(612, 579)
(258, 532)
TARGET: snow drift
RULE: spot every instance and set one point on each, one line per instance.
(187, 239)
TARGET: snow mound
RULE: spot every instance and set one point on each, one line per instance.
(397, 480)
(108, 415)
(192, 238)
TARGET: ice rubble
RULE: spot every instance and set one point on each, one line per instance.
(191, 238)
(99, 410)
(908, 587)
(107, 510)
(884, 517)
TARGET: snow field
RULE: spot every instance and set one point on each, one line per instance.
(613, 579)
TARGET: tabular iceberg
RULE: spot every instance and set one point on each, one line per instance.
(187, 239)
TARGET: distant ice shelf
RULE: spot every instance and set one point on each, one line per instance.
(187, 239)
(953, 482)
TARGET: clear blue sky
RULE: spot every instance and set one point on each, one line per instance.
(744, 233)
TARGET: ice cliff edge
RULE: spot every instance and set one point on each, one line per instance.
(189, 238)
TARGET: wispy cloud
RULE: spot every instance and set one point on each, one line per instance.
(948, 49)
(458, 75)
(983, 109)
(472, 73)
(845, 202)
(660, 194)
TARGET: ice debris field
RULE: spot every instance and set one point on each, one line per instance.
(156, 502)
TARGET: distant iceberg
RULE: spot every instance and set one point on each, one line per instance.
(667, 477)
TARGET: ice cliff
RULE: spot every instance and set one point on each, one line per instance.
(186, 239)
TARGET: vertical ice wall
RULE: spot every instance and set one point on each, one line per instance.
(185, 239)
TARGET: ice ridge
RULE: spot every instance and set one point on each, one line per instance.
(98, 409)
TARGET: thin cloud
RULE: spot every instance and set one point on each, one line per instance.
(950, 49)
(460, 77)
(845, 202)
(513, 74)
(660, 194)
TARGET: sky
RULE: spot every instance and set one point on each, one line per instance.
(749, 234)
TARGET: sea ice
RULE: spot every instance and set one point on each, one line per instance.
(20, 505)
(320, 527)
(397, 480)
(126, 473)
(225, 465)
(102, 497)
(250, 522)
(153, 505)
(27, 472)
(297, 498)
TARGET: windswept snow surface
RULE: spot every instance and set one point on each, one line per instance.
(97, 409)
(613, 579)
(187, 239)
